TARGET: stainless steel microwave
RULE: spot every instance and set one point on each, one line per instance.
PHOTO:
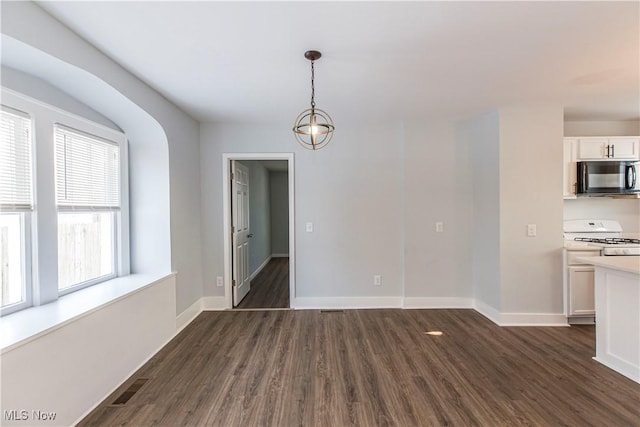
(608, 178)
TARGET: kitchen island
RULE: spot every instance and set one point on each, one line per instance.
(617, 300)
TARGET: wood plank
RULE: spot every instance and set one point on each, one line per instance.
(270, 288)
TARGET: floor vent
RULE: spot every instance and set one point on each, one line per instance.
(128, 393)
(331, 311)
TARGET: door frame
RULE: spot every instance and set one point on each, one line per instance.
(226, 218)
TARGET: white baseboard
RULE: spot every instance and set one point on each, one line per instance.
(214, 303)
(187, 316)
(437, 302)
(533, 319)
(500, 319)
(346, 302)
(259, 269)
(279, 255)
(519, 319)
(487, 311)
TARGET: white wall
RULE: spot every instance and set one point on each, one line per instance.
(39, 89)
(516, 167)
(436, 189)
(351, 191)
(279, 204)
(481, 137)
(531, 193)
(602, 128)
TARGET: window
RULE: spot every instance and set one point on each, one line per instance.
(16, 203)
(64, 203)
(87, 197)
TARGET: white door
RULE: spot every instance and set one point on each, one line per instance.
(240, 230)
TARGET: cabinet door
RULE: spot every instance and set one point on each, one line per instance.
(625, 148)
(592, 148)
(581, 291)
(569, 168)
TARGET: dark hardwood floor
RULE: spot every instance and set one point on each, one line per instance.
(373, 368)
(270, 288)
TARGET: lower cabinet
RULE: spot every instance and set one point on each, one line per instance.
(581, 291)
(578, 281)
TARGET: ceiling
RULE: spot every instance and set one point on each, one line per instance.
(243, 61)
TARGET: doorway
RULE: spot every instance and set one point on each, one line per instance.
(258, 221)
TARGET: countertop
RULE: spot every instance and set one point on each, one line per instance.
(630, 264)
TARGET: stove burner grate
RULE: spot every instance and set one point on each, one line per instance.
(609, 241)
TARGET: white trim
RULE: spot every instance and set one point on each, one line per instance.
(183, 319)
(279, 255)
(226, 219)
(487, 311)
(532, 319)
(519, 319)
(214, 303)
(347, 302)
(437, 302)
(260, 267)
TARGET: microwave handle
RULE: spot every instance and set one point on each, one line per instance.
(585, 178)
(630, 174)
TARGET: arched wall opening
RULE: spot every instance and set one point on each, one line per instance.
(150, 241)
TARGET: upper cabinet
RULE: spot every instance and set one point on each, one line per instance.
(608, 148)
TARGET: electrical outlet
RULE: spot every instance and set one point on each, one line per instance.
(219, 281)
(532, 230)
(439, 227)
(377, 280)
(309, 227)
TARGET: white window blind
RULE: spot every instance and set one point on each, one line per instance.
(87, 171)
(16, 192)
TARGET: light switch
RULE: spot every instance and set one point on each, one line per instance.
(531, 230)
(309, 227)
(439, 227)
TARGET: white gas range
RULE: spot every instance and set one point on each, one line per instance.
(600, 234)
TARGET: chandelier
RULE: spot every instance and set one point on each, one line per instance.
(313, 128)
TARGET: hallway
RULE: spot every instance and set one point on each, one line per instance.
(270, 288)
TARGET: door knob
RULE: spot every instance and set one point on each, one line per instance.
(250, 235)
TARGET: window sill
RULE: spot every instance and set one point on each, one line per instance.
(21, 327)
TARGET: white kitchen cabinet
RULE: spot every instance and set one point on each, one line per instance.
(581, 291)
(609, 148)
(569, 168)
(578, 285)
